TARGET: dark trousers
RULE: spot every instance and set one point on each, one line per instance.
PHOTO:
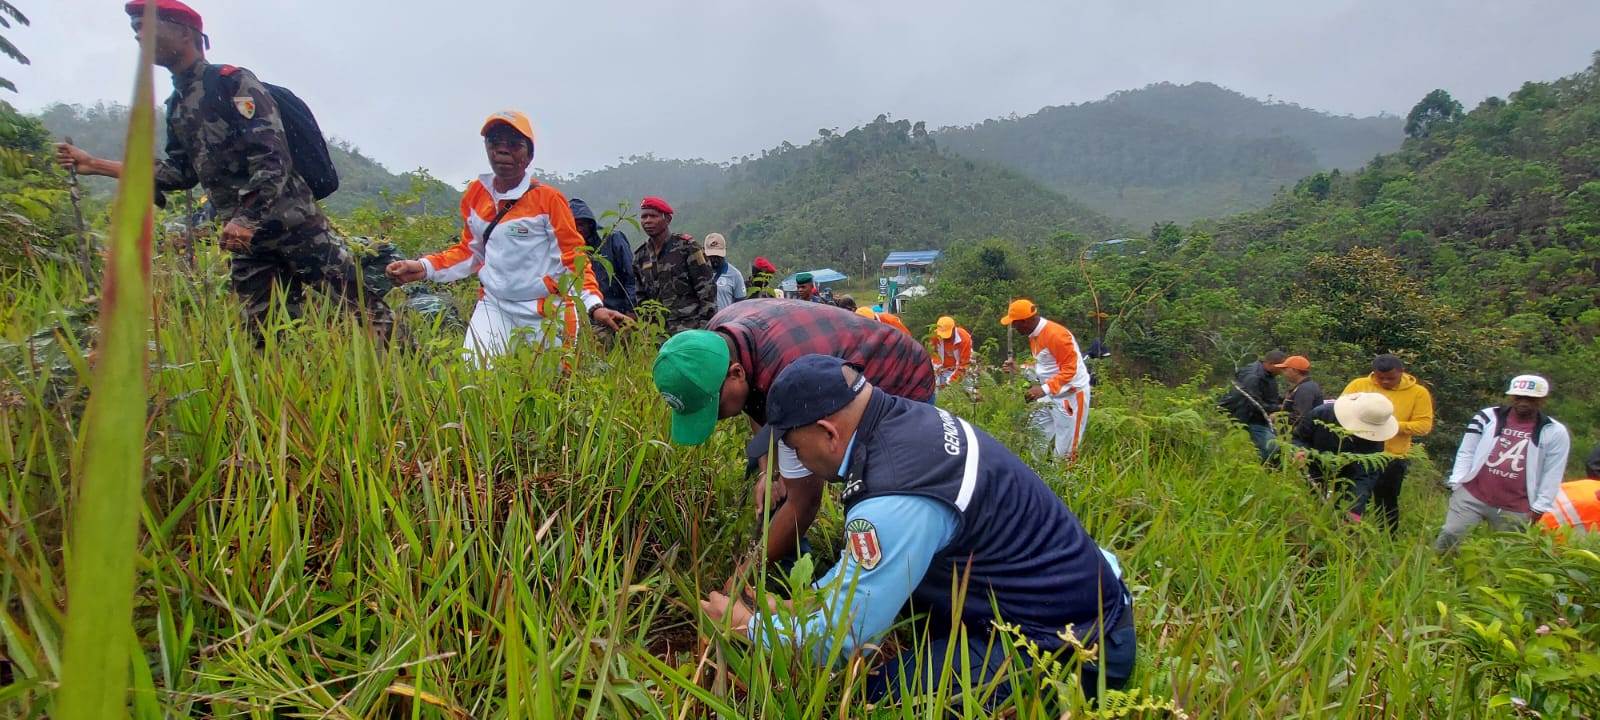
(1386, 493)
(919, 669)
(1354, 484)
(1362, 486)
(287, 263)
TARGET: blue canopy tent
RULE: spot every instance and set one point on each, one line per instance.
(818, 277)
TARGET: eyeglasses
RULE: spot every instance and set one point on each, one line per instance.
(507, 140)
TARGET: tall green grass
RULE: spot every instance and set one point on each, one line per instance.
(98, 636)
(332, 530)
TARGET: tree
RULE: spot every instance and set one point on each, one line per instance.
(6, 47)
(1436, 110)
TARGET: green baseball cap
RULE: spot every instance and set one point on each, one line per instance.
(689, 372)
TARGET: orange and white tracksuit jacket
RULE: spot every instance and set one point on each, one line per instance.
(1057, 362)
(952, 357)
(1058, 366)
(534, 244)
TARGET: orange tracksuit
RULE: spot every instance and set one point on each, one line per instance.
(1058, 366)
(952, 356)
(535, 243)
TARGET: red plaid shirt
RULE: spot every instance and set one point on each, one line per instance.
(770, 334)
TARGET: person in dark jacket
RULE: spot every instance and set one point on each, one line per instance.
(1367, 420)
(618, 284)
(1254, 396)
(1305, 395)
(1592, 465)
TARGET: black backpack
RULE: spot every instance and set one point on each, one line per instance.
(307, 149)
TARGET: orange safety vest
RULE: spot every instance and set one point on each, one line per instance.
(1577, 505)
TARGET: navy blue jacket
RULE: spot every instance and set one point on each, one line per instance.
(619, 286)
(1024, 548)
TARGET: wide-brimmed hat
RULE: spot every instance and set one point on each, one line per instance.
(1368, 415)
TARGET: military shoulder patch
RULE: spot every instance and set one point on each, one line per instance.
(862, 537)
(246, 106)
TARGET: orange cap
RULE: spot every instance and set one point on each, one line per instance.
(945, 327)
(516, 120)
(1019, 310)
(867, 313)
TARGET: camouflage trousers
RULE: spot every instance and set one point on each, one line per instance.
(288, 262)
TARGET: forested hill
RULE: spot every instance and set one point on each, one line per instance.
(1495, 214)
(1492, 215)
(1473, 252)
(102, 130)
(880, 187)
(679, 181)
(1175, 152)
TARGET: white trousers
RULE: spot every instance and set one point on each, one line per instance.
(1062, 421)
(497, 324)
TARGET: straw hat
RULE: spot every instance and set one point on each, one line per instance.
(1369, 415)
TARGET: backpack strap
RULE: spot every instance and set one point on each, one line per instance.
(214, 95)
(505, 207)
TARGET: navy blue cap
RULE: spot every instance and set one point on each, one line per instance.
(810, 389)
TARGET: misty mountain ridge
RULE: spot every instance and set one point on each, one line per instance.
(1163, 152)
(1175, 152)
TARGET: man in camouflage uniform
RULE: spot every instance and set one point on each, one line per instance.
(673, 271)
(237, 151)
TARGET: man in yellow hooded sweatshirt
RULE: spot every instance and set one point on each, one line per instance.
(1413, 407)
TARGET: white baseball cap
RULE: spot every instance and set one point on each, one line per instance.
(1529, 386)
(716, 245)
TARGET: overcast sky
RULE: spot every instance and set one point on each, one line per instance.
(409, 81)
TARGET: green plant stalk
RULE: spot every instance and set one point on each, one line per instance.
(100, 569)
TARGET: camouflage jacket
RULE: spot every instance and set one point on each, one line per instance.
(680, 278)
(237, 152)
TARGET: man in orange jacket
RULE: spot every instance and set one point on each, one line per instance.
(952, 351)
(1413, 407)
(1063, 380)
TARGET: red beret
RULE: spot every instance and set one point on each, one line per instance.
(170, 10)
(656, 204)
(763, 265)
